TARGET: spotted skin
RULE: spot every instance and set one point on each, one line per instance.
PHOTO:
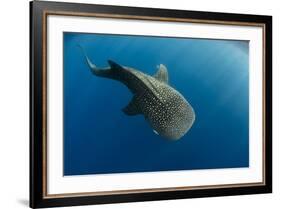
(166, 110)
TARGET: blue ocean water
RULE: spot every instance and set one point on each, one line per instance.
(213, 75)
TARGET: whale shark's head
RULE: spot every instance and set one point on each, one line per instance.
(176, 121)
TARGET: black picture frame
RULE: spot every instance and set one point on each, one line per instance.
(38, 12)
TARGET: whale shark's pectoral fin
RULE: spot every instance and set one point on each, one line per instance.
(132, 108)
(162, 74)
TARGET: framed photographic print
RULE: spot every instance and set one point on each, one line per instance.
(138, 104)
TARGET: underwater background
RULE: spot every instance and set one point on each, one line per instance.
(213, 76)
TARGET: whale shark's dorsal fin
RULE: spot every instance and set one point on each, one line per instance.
(132, 108)
(162, 74)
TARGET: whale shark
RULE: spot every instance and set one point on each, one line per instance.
(167, 111)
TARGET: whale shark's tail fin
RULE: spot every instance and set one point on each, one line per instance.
(102, 72)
